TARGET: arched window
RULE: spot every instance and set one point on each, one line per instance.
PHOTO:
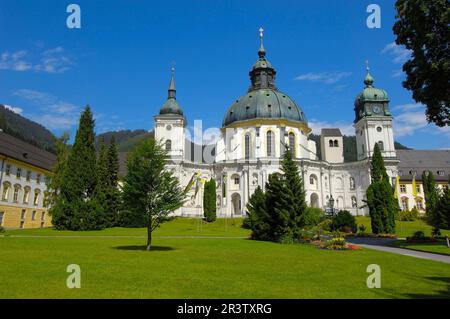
(37, 195)
(330, 143)
(168, 145)
(5, 192)
(336, 143)
(292, 143)
(381, 145)
(16, 194)
(313, 180)
(270, 144)
(247, 146)
(352, 183)
(26, 194)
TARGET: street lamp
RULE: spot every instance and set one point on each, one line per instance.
(331, 204)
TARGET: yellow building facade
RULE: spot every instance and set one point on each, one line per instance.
(24, 170)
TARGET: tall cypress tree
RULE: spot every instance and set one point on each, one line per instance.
(435, 217)
(380, 198)
(113, 197)
(209, 200)
(80, 179)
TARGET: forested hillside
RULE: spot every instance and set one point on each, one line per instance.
(25, 129)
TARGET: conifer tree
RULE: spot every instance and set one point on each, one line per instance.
(280, 218)
(113, 193)
(256, 212)
(443, 207)
(101, 189)
(55, 181)
(80, 179)
(380, 198)
(209, 201)
(435, 217)
(295, 191)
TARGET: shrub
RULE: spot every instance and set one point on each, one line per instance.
(312, 216)
(2, 230)
(362, 229)
(418, 235)
(409, 215)
(325, 225)
(344, 221)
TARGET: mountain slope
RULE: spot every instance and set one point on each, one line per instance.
(25, 129)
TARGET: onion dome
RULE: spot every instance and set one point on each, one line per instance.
(171, 106)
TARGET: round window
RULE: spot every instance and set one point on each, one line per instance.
(168, 127)
(379, 129)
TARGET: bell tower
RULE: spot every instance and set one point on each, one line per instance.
(373, 121)
(170, 124)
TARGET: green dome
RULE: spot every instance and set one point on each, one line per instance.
(262, 63)
(264, 104)
(171, 106)
(372, 94)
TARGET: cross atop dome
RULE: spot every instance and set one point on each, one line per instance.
(172, 89)
(261, 51)
(368, 81)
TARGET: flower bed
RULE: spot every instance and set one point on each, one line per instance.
(337, 243)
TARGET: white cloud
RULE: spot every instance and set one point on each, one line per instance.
(49, 61)
(53, 113)
(346, 128)
(398, 53)
(324, 77)
(411, 119)
(16, 110)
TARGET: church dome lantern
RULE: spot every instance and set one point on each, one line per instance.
(263, 100)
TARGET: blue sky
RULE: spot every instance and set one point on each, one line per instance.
(119, 61)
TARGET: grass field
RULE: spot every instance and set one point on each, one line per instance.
(403, 229)
(440, 247)
(115, 266)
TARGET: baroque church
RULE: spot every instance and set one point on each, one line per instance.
(257, 129)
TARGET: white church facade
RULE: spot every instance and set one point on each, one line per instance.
(257, 129)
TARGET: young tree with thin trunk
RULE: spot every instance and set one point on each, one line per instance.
(150, 191)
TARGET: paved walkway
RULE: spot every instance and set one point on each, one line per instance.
(381, 245)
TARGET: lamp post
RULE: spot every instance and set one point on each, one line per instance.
(331, 204)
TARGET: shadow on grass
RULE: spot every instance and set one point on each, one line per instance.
(144, 248)
(440, 294)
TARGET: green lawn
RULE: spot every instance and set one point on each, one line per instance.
(440, 247)
(403, 229)
(178, 227)
(118, 267)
